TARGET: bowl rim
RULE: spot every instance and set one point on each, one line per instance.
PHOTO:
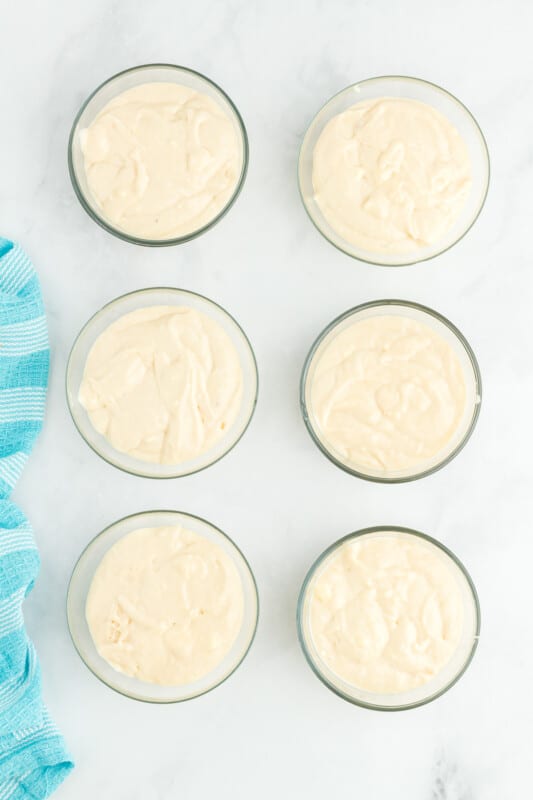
(374, 260)
(302, 597)
(100, 219)
(116, 301)
(106, 531)
(462, 341)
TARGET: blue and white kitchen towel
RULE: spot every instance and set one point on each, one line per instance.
(33, 759)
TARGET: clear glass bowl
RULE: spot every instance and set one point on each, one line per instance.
(141, 299)
(415, 89)
(80, 583)
(413, 698)
(453, 337)
(148, 73)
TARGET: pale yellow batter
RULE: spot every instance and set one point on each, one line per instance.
(163, 384)
(161, 160)
(165, 605)
(386, 612)
(387, 393)
(391, 175)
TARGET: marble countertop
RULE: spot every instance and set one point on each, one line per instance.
(273, 730)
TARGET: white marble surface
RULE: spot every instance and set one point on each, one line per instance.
(273, 730)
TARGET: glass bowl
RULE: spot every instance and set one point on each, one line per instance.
(80, 583)
(453, 337)
(443, 680)
(153, 297)
(414, 89)
(148, 73)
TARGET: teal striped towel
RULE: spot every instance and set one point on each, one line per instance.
(33, 759)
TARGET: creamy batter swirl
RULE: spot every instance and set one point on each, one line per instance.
(386, 612)
(165, 605)
(161, 160)
(163, 384)
(387, 393)
(391, 175)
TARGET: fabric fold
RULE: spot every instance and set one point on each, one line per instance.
(33, 757)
